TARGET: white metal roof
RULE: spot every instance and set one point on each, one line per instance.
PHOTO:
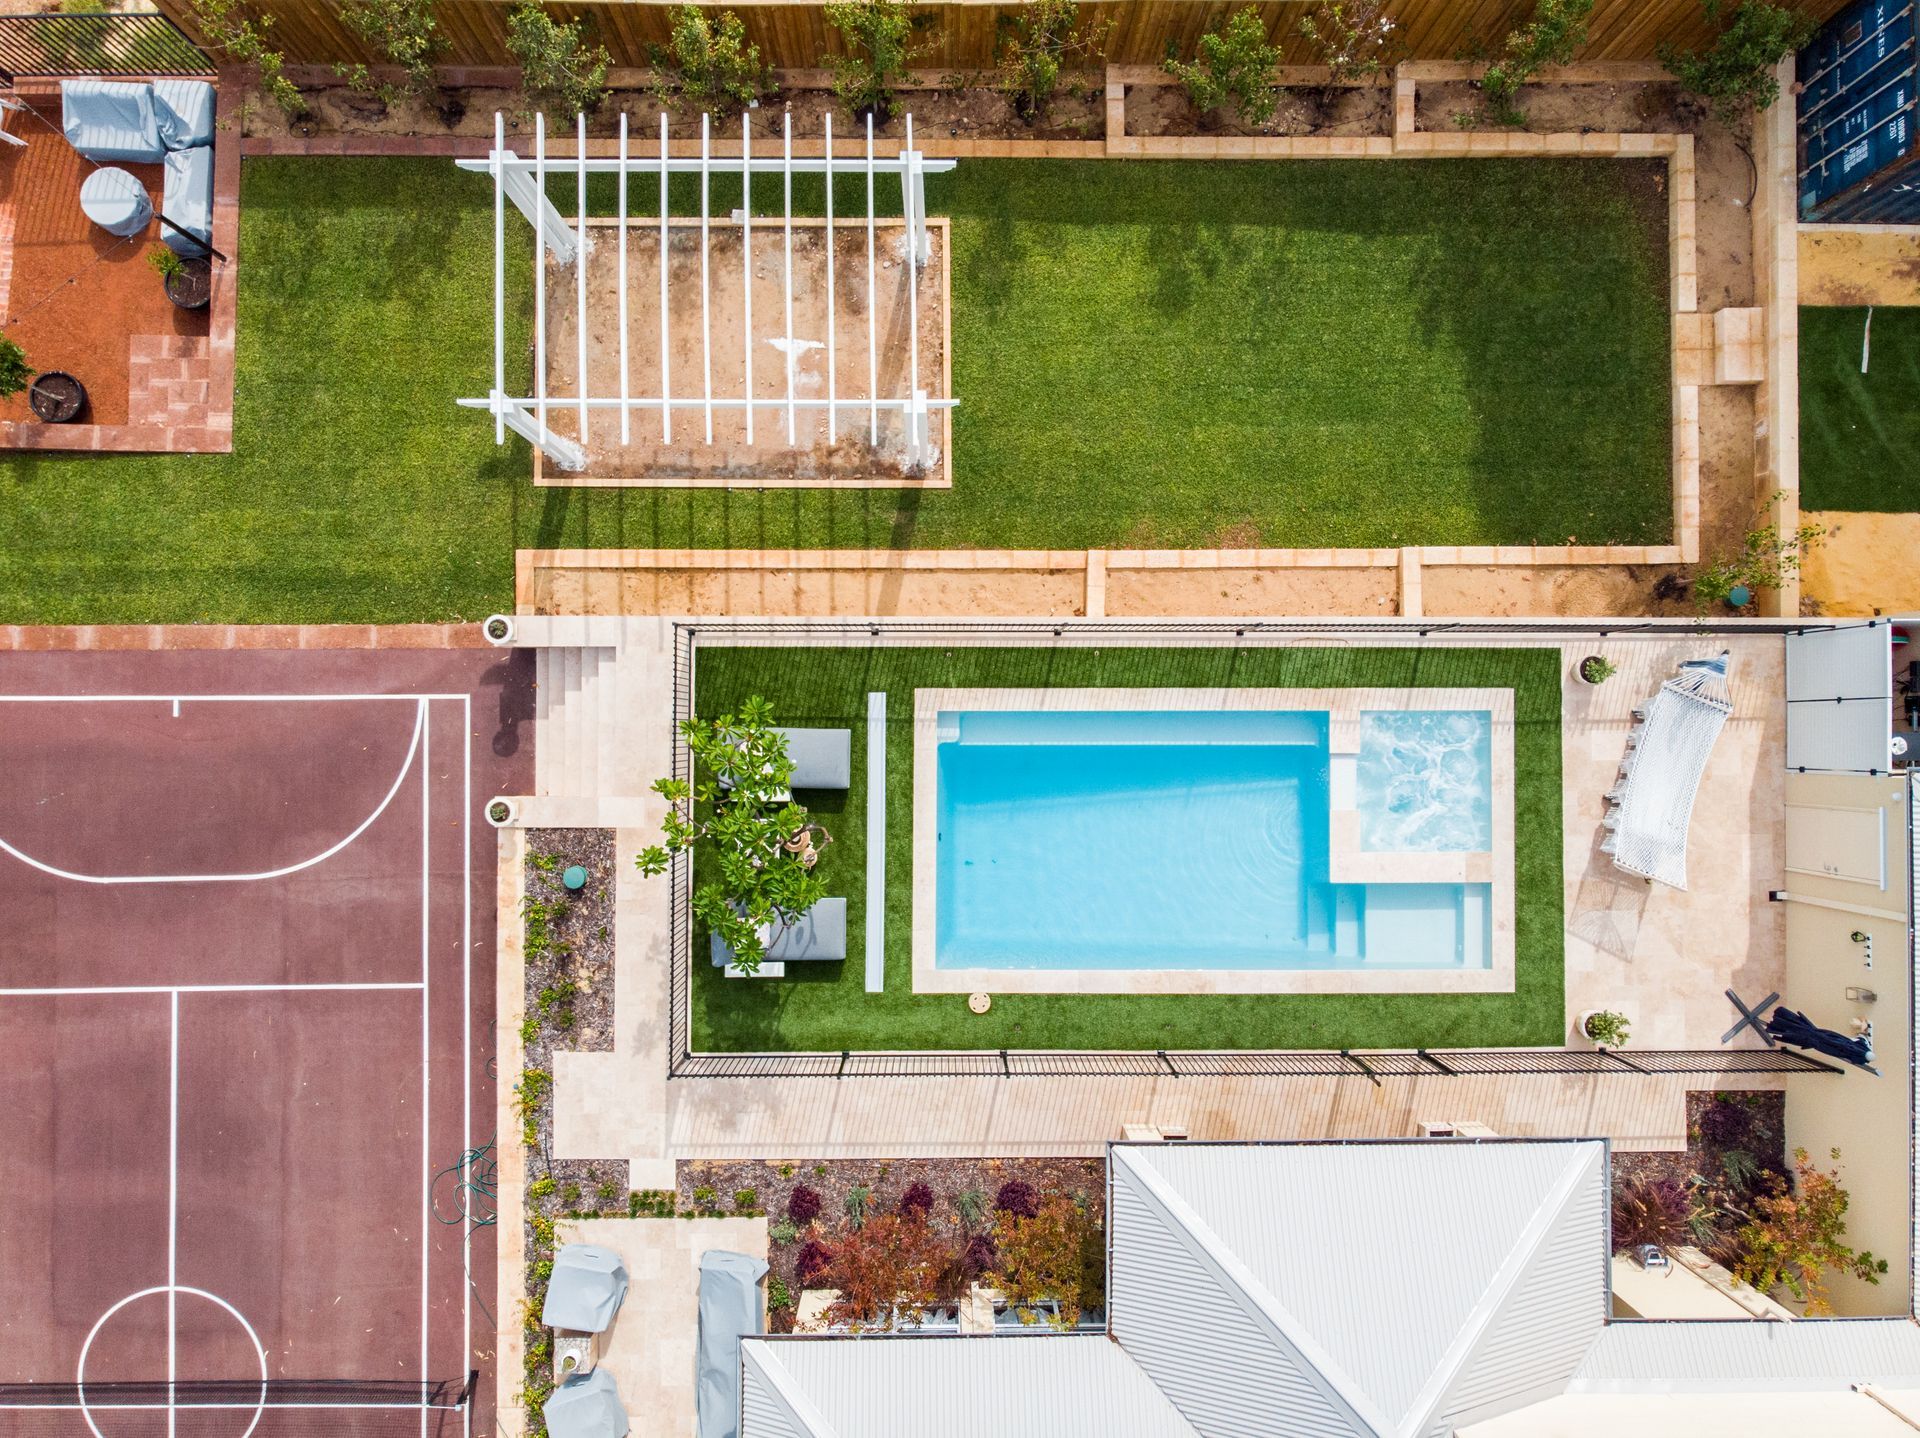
(1423, 1283)
(1061, 1385)
(1707, 1356)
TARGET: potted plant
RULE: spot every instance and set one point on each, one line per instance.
(498, 628)
(189, 282)
(1604, 1028)
(501, 812)
(1595, 669)
(56, 397)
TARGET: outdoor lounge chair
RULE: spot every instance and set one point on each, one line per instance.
(111, 121)
(819, 935)
(1653, 806)
(186, 198)
(822, 758)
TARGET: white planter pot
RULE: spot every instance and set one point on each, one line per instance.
(501, 812)
(499, 629)
(1580, 1023)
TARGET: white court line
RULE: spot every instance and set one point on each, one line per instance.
(173, 1207)
(214, 698)
(419, 726)
(466, 1007)
(59, 993)
(221, 1407)
(426, 971)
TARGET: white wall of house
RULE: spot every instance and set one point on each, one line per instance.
(1849, 872)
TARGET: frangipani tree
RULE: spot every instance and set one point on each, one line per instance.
(764, 845)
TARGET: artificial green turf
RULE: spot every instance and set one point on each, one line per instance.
(824, 1007)
(1860, 433)
(1314, 354)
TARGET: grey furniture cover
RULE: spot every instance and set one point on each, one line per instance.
(586, 1289)
(586, 1406)
(820, 933)
(116, 201)
(184, 111)
(822, 758)
(186, 198)
(731, 1308)
(110, 120)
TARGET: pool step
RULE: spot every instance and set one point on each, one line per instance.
(1474, 923)
(1346, 921)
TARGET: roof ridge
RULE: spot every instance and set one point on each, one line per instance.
(786, 1390)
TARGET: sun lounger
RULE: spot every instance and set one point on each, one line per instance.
(822, 758)
(1665, 761)
(819, 935)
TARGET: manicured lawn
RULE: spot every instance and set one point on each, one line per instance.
(1860, 433)
(1352, 353)
(825, 1007)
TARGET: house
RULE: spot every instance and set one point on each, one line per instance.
(1404, 1287)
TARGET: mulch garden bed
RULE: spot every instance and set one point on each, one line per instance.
(767, 1186)
(1751, 1123)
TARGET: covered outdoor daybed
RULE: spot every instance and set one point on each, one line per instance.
(587, 1287)
(820, 934)
(1652, 805)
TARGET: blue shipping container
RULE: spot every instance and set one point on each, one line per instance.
(1857, 112)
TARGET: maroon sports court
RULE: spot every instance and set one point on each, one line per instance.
(246, 1008)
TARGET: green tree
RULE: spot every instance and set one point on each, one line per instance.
(1795, 1236)
(763, 844)
(1234, 63)
(1736, 71)
(1036, 43)
(226, 28)
(878, 35)
(1040, 1260)
(1557, 29)
(561, 73)
(405, 34)
(15, 373)
(1767, 559)
(708, 61)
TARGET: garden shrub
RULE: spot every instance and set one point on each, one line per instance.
(1794, 1235)
(1725, 1123)
(1736, 71)
(1650, 1210)
(980, 1256)
(878, 36)
(782, 1231)
(917, 1200)
(887, 1272)
(855, 1205)
(1234, 63)
(803, 1204)
(1017, 1197)
(404, 34)
(778, 1296)
(1041, 1261)
(225, 27)
(815, 1259)
(708, 61)
(970, 1205)
(15, 372)
(1766, 560)
(746, 1200)
(1354, 38)
(1036, 43)
(560, 72)
(1557, 29)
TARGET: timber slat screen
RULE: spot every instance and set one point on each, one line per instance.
(142, 43)
(963, 36)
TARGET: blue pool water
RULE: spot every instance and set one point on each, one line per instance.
(1167, 840)
(1424, 781)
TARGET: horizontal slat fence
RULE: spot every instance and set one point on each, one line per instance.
(961, 36)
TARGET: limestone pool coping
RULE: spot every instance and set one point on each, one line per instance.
(1345, 707)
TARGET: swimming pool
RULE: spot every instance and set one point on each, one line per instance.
(1252, 840)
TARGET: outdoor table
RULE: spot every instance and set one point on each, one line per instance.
(116, 201)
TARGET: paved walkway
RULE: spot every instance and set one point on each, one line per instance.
(1662, 955)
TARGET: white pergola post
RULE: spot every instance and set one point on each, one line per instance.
(913, 198)
(529, 197)
(557, 447)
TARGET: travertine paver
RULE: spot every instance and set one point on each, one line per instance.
(1662, 955)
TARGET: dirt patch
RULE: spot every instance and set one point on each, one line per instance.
(963, 1192)
(1077, 112)
(697, 590)
(1317, 110)
(1615, 107)
(1252, 593)
(1865, 567)
(1593, 589)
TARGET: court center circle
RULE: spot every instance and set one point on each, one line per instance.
(80, 1375)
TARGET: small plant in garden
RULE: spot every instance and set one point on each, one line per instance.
(1017, 1197)
(561, 73)
(1795, 1236)
(225, 27)
(1354, 38)
(786, 1170)
(855, 1205)
(544, 862)
(917, 1200)
(1740, 1167)
(1036, 43)
(886, 1272)
(606, 1190)
(533, 1086)
(1557, 29)
(778, 1296)
(980, 1256)
(1596, 669)
(1041, 1261)
(529, 1028)
(15, 373)
(803, 1204)
(815, 1259)
(708, 62)
(879, 53)
(765, 842)
(1766, 561)
(1725, 1122)
(570, 1195)
(746, 1200)
(782, 1231)
(1735, 73)
(541, 1187)
(1607, 1028)
(165, 262)
(1234, 63)
(1650, 1210)
(405, 36)
(971, 1206)
(704, 1197)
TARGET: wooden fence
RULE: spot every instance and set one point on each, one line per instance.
(960, 35)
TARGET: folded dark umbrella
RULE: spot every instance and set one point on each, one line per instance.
(1790, 1026)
